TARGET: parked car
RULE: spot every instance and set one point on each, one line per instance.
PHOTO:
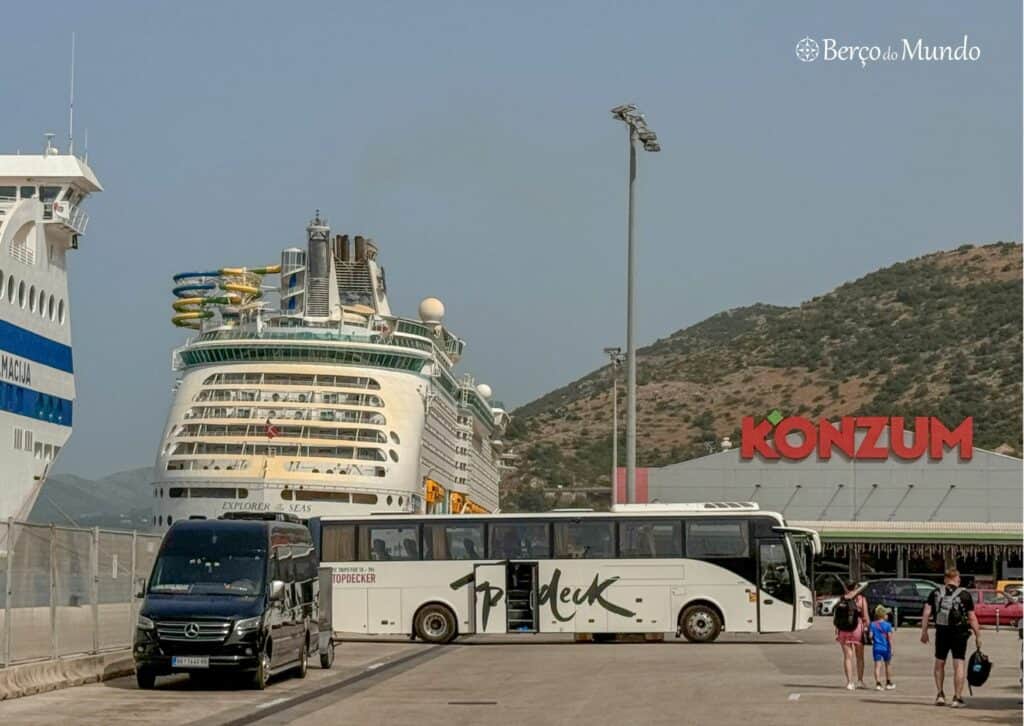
(1010, 587)
(904, 596)
(236, 594)
(987, 603)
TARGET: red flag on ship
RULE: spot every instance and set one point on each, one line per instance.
(272, 430)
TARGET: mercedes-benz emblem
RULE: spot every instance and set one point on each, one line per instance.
(192, 630)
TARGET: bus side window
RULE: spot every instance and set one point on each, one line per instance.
(338, 542)
(585, 540)
(397, 542)
(717, 538)
(519, 540)
(453, 541)
(650, 538)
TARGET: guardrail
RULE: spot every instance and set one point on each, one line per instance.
(69, 591)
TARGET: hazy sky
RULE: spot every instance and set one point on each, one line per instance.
(473, 141)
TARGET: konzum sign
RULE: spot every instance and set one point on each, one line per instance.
(929, 436)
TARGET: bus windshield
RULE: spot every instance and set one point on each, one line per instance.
(215, 563)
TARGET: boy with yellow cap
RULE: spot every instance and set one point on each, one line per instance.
(881, 647)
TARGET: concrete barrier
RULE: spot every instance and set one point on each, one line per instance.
(29, 678)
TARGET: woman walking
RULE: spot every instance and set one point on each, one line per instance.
(850, 617)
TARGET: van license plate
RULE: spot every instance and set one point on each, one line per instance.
(190, 661)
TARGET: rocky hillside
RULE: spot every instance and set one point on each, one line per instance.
(936, 335)
(119, 501)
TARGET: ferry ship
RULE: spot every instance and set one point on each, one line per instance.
(41, 221)
(308, 396)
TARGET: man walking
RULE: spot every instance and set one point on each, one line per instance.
(953, 609)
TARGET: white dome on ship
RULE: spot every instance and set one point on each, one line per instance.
(484, 390)
(431, 310)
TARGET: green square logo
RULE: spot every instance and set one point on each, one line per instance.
(774, 417)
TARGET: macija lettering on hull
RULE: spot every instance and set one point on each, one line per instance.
(15, 370)
(929, 435)
(550, 594)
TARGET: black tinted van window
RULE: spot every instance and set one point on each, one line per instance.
(213, 560)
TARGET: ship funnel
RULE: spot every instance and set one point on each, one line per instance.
(318, 265)
(341, 247)
(360, 248)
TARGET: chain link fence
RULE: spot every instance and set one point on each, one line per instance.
(69, 591)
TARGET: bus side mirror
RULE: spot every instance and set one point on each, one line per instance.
(276, 591)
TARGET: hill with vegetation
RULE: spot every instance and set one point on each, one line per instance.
(119, 501)
(936, 335)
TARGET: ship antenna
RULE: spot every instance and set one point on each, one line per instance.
(86, 159)
(71, 105)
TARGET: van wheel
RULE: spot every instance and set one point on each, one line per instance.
(145, 678)
(435, 624)
(327, 656)
(700, 624)
(261, 677)
(303, 667)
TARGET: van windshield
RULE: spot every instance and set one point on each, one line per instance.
(211, 563)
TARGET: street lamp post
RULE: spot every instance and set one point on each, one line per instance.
(615, 355)
(638, 130)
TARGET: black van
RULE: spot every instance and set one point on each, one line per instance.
(233, 594)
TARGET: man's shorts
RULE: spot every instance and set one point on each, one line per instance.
(880, 655)
(951, 640)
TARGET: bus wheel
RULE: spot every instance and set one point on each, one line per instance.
(327, 656)
(700, 624)
(435, 624)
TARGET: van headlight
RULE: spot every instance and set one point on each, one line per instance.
(145, 623)
(248, 625)
(807, 604)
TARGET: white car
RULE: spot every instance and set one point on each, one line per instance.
(827, 605)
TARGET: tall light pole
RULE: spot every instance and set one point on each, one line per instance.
(638, 130)
(615, 355)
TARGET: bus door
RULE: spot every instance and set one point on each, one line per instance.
(491, 604)
(775, 589)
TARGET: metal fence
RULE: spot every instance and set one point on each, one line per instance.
(69, 591)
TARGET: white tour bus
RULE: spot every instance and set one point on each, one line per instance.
(696, 569)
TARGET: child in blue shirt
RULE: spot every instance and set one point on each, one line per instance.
(881, 647)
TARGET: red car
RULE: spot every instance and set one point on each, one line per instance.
(989, 602)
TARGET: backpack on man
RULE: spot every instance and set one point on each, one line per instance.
(949, 610)
(846, 615)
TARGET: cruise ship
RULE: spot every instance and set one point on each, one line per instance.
(41, 221)
(301, 392)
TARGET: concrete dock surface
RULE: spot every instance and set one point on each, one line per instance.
(780, 679)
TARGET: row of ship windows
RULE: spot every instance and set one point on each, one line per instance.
(292, 379)
(311, 452)
(332, 415)
(357, 399)
(290, 495)
(24, 440)
(27, 402)
(288, 432)
(48, 306)
(293, 467)
(202, 356)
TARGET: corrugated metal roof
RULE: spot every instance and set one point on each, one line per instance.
(1007, 532)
